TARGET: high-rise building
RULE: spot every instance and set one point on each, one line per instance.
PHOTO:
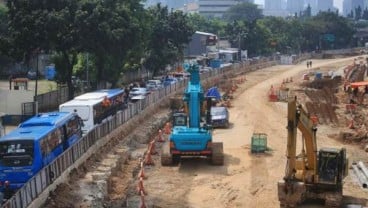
(272, 5)
(349, 6)
(325, 5)
(274, 8)
(346, 7)
(217, 8)
(295, 6)
(312, 4)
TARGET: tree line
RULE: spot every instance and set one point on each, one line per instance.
(119, 35)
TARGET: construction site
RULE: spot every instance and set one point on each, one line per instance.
(128, 171)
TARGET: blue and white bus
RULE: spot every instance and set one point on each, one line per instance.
(90, 108)
(34, 144)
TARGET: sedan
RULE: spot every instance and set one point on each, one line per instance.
(138, 91)
(220, 117)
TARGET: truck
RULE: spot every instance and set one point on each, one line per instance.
(191, 133)
(312, 174)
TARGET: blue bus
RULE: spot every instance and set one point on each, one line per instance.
(34, 144)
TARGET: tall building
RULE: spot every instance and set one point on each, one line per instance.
(217, 8)
(295, 6)
(274, 8)
(325, 5)
(350, 5)
(272, 5)
(312, 4)
(346, 7)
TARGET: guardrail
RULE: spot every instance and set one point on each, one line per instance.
(74, 156)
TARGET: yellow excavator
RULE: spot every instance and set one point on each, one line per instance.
(311, 174)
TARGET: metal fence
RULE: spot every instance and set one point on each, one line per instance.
(65, 162)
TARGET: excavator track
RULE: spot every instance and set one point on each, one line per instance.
(333, 199)
(166, 156)
(217, 157)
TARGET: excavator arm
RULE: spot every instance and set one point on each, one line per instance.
(298, 118)
(305, 176)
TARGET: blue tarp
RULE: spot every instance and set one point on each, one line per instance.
(213, 92)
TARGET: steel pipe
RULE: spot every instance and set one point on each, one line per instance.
(361, 177)
(363, 168)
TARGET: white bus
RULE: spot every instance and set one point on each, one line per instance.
(92, 107)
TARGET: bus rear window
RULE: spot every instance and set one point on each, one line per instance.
(16, 153)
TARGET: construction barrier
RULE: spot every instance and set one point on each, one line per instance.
(272, 95)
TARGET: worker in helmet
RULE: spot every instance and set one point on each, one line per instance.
(106, 102)
(8, 193)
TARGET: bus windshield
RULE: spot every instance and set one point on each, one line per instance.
(16, 153)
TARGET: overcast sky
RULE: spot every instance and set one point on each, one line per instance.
(337, 3)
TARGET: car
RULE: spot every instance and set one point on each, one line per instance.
(137, 98)
(219, 117)
(169, 81)
(153, 84)
(32, 74)
(138, 91)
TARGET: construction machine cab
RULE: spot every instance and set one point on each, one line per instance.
(331, 166)
(180, 119)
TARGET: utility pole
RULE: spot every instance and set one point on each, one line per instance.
(87, 72)
(36, 85)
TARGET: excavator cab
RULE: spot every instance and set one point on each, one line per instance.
(179, 119)
(331, 166)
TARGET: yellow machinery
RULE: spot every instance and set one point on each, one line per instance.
(311, 174)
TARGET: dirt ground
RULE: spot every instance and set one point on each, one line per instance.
(245, 180)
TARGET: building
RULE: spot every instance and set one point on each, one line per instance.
(312, 4)
(275, 8)
(201, 44)
(325, 5)
(346, 7)
(295, 6)
(217, 8)
(190, 8)
(272, 4)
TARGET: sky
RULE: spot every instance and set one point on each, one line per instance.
(337, 3)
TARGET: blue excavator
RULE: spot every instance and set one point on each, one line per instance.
(191, 134)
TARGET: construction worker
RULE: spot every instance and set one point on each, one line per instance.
(8, 193)
(106, 102)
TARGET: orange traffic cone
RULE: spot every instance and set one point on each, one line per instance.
(351, 124)
(167, 128)
(140, 187)
(160, 137)
(142, 204)
(152, 147)
(148, 159)
(141, 173)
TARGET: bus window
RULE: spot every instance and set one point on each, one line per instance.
(16, 153)
(51, 141)
(73, 127)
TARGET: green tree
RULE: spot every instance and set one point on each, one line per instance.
(237, 34)
(243, 11)
(170, 32)
(211, 25)
(327, 23)
(111, 30)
